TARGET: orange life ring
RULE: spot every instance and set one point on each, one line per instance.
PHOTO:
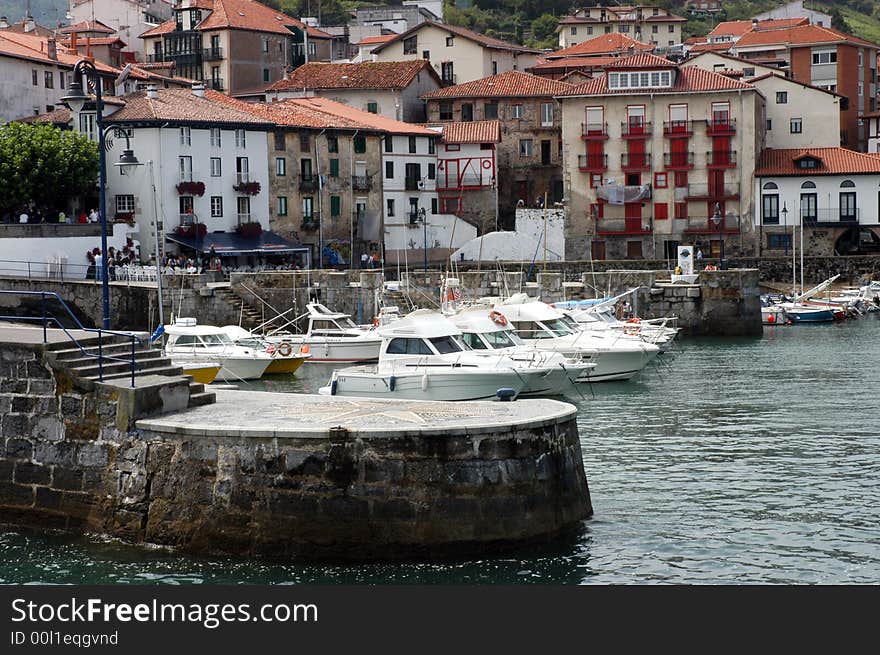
(498, 318)
(284, 349)
(634, 319)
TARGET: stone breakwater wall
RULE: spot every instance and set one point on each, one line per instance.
(89, 462)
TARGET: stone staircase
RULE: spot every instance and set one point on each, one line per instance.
(250, 317)
(86, 372)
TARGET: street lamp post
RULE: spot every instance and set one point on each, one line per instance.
(785, 223)
(76, 99)
(425, 233)
(718, 219)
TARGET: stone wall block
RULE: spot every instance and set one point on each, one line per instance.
(67, 479)
(6, 468)
(17, 495)
(61, 452)
(18, 448)
(30, 473)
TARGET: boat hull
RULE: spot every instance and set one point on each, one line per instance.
(611, 365)
(201, 373)
(285, 364)
(773, 316)
(365, 383)
(341, 350)
(810, 316)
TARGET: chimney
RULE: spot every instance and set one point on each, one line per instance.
(52, 48)
(198, 89)
(4, 22)
(29, 24)
(73, 47)
(152, 92)
(754, 23)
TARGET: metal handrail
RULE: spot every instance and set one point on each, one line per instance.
(45, 319)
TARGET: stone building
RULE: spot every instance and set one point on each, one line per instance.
(233, 46)
(390, 88)
(529, 154)
(646, 23)
(651, 153)
(828, 194)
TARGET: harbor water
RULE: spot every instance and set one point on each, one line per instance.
(728, 461)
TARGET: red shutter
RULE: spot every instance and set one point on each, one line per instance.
(661, 211)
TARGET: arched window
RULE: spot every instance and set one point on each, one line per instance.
(770, 185)
(847, 184)
(808, 185)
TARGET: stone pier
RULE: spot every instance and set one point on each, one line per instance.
(282, 474)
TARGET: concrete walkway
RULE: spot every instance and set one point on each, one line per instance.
(268, 415)
(24, 334)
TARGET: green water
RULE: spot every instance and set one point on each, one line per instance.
(731, 461)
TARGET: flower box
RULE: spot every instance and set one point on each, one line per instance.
(249, 188)
(193, 231)
(191, 189)
(250, 230)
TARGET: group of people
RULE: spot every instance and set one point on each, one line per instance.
(370, 261)
(33, 215)
(116, 259)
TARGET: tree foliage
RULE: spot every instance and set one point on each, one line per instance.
(44, 166)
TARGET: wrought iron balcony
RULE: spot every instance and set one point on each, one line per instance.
(310, 222)
(594, 131)
(678, 160)
(621, 227)
(412, 183)
(630, 130)
(591, 163)
(712, 191)
(721, 158)
(635, 161)
(309, 183)
(831, 216)
(678, 128)
(721, 127)
(212, 54)
(705, 225)
(361, 182)
(215, 83)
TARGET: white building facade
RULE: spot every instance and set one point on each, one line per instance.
(130, 18)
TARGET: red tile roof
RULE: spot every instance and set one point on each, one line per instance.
(35, 48)
(689, 79)
(604, 44)
(511, 84)
(740, 27)
(59, 117)
(366, 75)
(485, 41)
(235, 14)
(574, 62)
(834, 161)
(95, 40)
(88, 26)
(181, 106)
(376, 39)
(321, 113)
(799, 35)
(711, 47)
(643, 60)
(471, 132)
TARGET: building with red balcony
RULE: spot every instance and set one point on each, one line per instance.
(651, 152)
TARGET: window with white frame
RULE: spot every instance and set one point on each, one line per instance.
(546, 114)
(797, 125)
(525, 147)
(216, 167)
(215, 137)
(280, 166)
(185, 165)
(216, 206)
(640, 80)
(824, 57)
(770, 204)
(185, 136)
(282, 206)
(125, 204)
(516, 111)
(240, 139)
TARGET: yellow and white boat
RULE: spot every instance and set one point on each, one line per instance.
(201, 372)
(285, 359)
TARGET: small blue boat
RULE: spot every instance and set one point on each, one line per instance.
(803, 314)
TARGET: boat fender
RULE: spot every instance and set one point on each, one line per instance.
(425, 382)
(392, 383)
(771, 318)
(304, 349)
(333, 386)
(505, 394)
(375, 321)
(284, 349)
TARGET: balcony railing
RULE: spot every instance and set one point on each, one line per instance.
(594, 130)
(637, 161)
(589, 163)
(242, 178)
(721, 158)
(718, 127)
(311, 222)
(678, 159)
(307, 183)
(187, 219)
(412, 183)
(830, 216)
(215, 83)
(712, 191)
(678, 128)
(413, 218)
(360, 182)
(635, 130)
(705, 225)
(621, 227)
(212, 54)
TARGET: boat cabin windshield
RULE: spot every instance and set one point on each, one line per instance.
(202, 340)
(549, 329)
(331, 324)
(442, 345)
(251, 342)
(491, 340)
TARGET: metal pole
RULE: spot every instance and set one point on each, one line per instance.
(156, 243)
(425, 228)
(105, 284)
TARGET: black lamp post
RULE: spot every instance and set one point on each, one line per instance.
(718, 219)
(76, 99)
(785, 223)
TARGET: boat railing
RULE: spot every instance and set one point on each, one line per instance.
(47, 318)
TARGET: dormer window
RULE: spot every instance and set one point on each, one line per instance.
(808, 163)
(640, 80)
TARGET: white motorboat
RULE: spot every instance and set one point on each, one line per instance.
(188, 341)
(773, 315)
(617, 356)
(285, 359)
(422, 357)
(331, 337)
(485, 330)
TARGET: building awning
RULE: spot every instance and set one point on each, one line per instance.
(230, 243)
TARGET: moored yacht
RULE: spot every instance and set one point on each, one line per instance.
(422, 357)
(190, 342)
(616, 356)
(285, 359)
